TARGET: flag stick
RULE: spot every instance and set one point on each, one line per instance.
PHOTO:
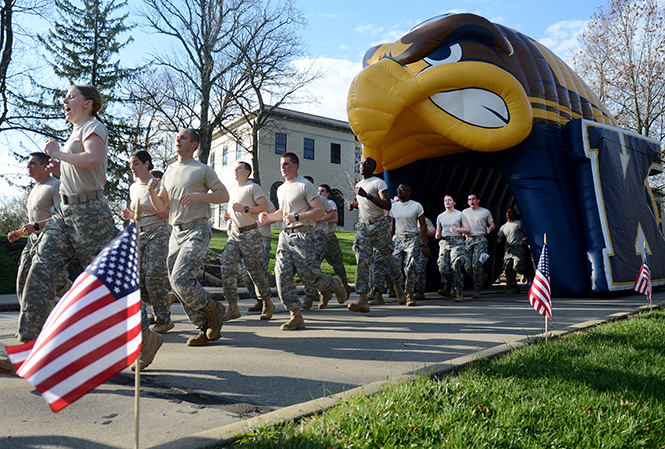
(137, 365)
(545, 315)
(645, 251)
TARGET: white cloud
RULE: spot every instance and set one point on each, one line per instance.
(561, 37)
(332, 90)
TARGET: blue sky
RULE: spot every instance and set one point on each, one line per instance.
(339, 32)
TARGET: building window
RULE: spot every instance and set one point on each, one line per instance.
(335, 153)
(225, 156)
(338, 198)
(359, 157)
(238, 150)
(280, 143)
(212, 159)
(308, 150)
(273, 193)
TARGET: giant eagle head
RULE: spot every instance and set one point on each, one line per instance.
(457, 83)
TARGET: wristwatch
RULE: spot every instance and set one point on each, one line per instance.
(246, 209)
(297, 217)
(36, 226)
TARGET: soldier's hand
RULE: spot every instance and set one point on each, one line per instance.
(238, 207)
(127, 214)
(352, 205)
(361, 192)
(263, 216)
(153, 184)
(14, 235)
(426, 252)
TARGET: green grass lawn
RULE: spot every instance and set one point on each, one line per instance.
(345, 240)
(601, 388)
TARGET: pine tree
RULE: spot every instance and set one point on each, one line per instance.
(83, 47)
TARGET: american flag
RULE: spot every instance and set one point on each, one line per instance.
(540, 295)
(93, 333)
(643, 281)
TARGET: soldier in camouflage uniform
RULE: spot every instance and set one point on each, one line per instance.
(299, 206)
(44, 195)
(409, 230)
(188, 188)
(451, 225)
(421, 281)
(482, 223)
(264, 255)
(517, 258)
(154, 233)
(330, 250)
(372, 231)
(245, 243)
(82, 223)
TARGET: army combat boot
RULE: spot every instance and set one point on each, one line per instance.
(361, 306)
(296, 321)
(233, 312)
(215, 314)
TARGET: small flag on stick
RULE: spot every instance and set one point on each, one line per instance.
(540, 295)
(643, 281)
(94, 331)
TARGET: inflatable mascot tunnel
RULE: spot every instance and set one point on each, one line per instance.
(461, 105)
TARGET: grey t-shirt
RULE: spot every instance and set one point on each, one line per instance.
(188, 176)
(368, 211)
(447, 219)
(75, 179)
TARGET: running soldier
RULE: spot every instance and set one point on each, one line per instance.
(324, 228)
(44, 195)
(188, 188)
(299, 206)
(245, 243)
(372, 231)
(517, 258)
(421, 282)
(410, 237)
(482, 223)
(451, 226)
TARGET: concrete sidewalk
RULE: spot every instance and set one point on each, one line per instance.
(257, 374)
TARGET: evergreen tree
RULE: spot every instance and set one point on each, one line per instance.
(83, 47)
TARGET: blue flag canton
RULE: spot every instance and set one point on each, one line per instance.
(544, 262)
(117, 265)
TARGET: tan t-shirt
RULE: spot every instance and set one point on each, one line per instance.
(479, 220)
(327, 207)
(42, 198)
(265, 230)
(368, 211)
(447, 219)
(189, 176)
(75, 179)
(245, 194)
(139, 192)
(294, 197)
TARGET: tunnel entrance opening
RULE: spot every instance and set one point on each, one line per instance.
(458, 175)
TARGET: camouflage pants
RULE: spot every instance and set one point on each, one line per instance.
(368, 237)
(474, 248)
(264, 255)
(297, 253)
(421, 275)
(153, 274)
(378, 272)
(320, 251)
(406, 253)
(248, 247)
(79, 230)
(332, 253)
(25, 262)
(452, 258)
(516, 260)
(187, 252)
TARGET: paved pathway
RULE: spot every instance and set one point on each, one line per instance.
(190, 394)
